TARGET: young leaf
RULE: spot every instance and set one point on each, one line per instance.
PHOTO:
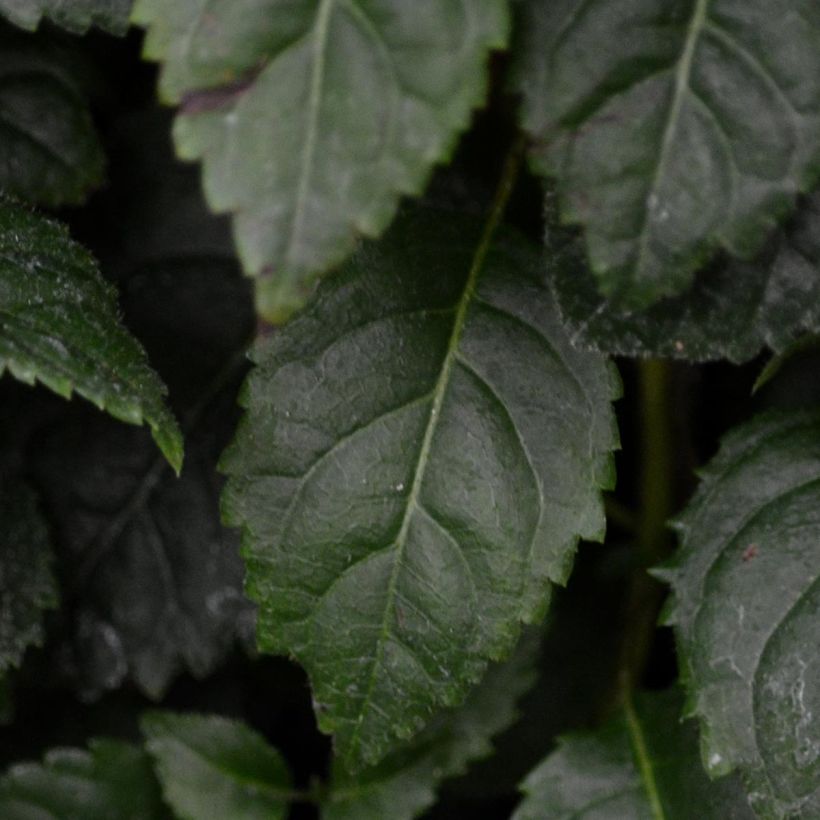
(403, 785)
(50, 153)
(673, 129)
(422, 450)
(75, 15)
(213, 767)
(27, 585)
(642, 764)
(113, 781)
(59, 325)
(732, 311)
(745, 611)
(313, 118)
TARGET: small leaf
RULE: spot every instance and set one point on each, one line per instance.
(313, 118)
(673, 128)
(745, 611)
(213, 767)
(59, 325)
(732, 311)
(403, 785)
(27, 585)
(421, 452)
(642, 764)
(75, 15)
(50, 153)
(113, 781)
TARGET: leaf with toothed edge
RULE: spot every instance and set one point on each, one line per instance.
(313, 118)
(74, 15)
(59, 325)
(422, 449)
(673, 128)
(746, 598)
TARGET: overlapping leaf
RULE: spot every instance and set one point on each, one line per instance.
(673, 128)
(732, 311)
(745, 610)
(643, 764)
(312, 118)
(59, 325)
(422, 450)
(75, 15)
(213, 767)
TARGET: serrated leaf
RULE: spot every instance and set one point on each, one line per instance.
(27, 585)
(50, 152)
(59, 325)
(733, 310)
(313, 118)
(673, 128)
(403, 785)
(642, 765)
(745, 611)
(113, 781)
(74, 15)
(210, 766)
(421, 451)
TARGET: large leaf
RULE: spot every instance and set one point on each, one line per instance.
(59, 325)
(403, 785)
(732, 311)
(643, 765)
(27, 585)
(113, 781)
(214, 767)
(49, 153)
(746, 611)
(673, 128)
(313, 117)
(421, 451)
(75, 15)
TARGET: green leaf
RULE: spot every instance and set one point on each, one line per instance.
(643, 764)
(422, 450)
(313, 118)
(50, 152)
(745, 611)
(59, 325)
(75, 15)
(732, 311)
(214, 767)
(403, 785)
(673, 128)
(27, 585)
(113, 781)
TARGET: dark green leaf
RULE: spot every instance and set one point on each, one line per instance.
(113, 781)
(75, 15)
(27, 585)
(643, 765)
(746, 611)
(49, 152)
(404, 784)
(211, 767)
(422, 450)
(673, 127)
(313, 118)
(732, 311)
(59, 325)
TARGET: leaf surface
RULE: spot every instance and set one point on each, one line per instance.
(673, 128)
(313, 118)
(745, 611)
(642, 765)
(214, 767)
(75, 15)
(27, 584)
(59, 325)
(421, 451)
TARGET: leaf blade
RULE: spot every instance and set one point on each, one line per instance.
(74, 15)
